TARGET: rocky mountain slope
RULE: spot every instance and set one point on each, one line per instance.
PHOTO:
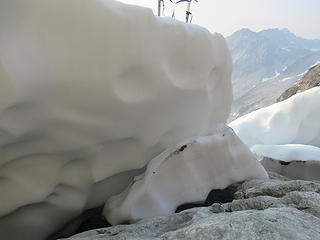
(310, 79)
(278, 208)
(267, 63)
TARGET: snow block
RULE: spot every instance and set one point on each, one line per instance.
(295, 161)
(98, 88)
(185, 173)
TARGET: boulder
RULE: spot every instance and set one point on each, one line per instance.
(278, 208)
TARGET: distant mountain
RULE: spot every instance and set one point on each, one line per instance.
(310, 79)
(286, 39)
(266, 63)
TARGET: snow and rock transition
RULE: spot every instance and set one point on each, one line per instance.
(278, 208)
(96, 89)
(185, 173)
(296, 161)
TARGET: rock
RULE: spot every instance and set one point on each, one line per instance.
(89, 219)
(310, 79)
(278, 208)
(214, 199)
(274, 188)
(217, 208)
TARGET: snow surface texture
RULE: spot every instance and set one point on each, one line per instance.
(95, 90)
(293, 121)
(188, 171)
(287, 152)
(295, 161)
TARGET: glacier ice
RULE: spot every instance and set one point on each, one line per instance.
(93, 91)
(293, 121)
(186, 172)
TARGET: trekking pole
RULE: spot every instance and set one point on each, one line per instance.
(159, 8)
(188, 13)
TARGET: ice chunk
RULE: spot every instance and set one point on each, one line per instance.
(185, 173)
(295, 161)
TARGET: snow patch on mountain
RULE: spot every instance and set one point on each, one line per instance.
(271, 78)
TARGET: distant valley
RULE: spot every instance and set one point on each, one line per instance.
(267, 63)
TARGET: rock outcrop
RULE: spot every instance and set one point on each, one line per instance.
(278, 208)
(310, 80)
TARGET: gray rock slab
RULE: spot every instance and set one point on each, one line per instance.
(278, 208)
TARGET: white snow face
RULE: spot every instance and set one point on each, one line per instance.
(185, 173)
(98, 88)
(295, 161)
(293, 121)
(287, 152)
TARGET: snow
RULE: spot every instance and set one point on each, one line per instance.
(293, 121)
(300, 74)
(286, 49)
(285, 136)
(7, 92)
(287, 152)
(289, 78)
(96, 90)
(295, 161)
(184, 174)
(276, 74)
(316, 63)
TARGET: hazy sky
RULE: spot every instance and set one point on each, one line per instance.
(302, 17)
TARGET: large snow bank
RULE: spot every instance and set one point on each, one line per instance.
(185, 173)
(99, 88)
(293, 121)
(7, 92)
(295, 161)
